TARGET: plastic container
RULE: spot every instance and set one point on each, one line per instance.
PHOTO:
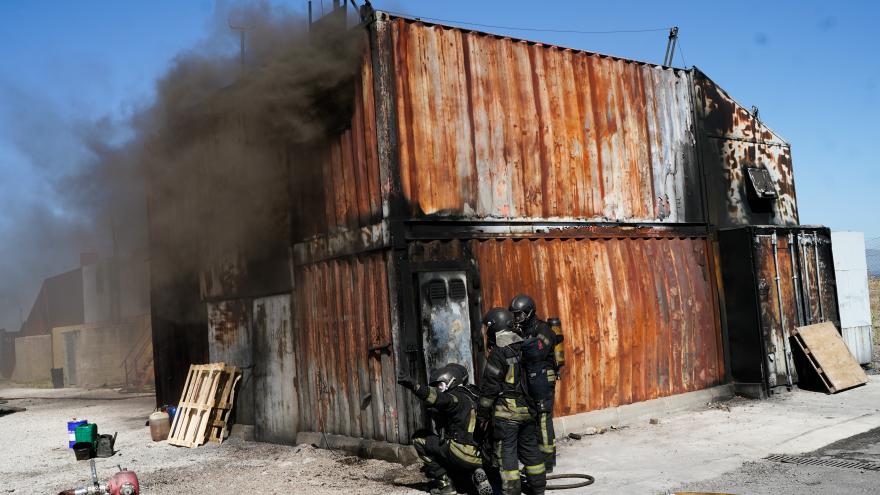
(71, 431)
(104, 445)
(83, 451)
(160, 426)
(87, 433)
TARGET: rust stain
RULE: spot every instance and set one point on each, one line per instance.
(338, 321)
(637, 313)
(345, 171)
(492, 127)
(737, 139)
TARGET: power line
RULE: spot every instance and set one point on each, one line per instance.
(681, 54)
(513, 28)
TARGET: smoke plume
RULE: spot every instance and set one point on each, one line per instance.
(209, 162)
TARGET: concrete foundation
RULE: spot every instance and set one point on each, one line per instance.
(640, 411)
(33, 359)
(373, 449)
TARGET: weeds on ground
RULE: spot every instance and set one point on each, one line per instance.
(874, 288)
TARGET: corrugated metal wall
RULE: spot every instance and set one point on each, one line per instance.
(733, 139)
(230, 341)
(340, 187)
(638, 314)
(342, 338)
(491, 127)
(275, 378)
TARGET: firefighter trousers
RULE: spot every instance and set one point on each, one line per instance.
(542, 387)
(441, 456)
(516, 440)
(546, 435)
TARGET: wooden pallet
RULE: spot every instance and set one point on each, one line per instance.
(207, 385)
(828, 355)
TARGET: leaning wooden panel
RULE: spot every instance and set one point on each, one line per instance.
(224, 400)
(829, 356)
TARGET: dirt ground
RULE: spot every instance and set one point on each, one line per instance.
(721, 447)
(35, 458)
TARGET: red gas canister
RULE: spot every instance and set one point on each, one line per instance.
(124, 482)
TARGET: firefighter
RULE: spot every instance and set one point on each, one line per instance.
(452, 402)
(542, 365)
(504, 399)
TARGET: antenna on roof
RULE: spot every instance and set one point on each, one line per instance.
(670, 46)
(241, 29)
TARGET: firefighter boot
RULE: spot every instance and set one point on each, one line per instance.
(481, 481)
(444, 486)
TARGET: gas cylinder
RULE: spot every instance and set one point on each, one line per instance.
(558, 349)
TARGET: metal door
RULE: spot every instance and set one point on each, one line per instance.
(275, 404)
(795, 288)
(445, 322)
(777, 277)
(230, 341)
(70, 356)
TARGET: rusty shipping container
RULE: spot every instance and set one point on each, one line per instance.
(474, 167)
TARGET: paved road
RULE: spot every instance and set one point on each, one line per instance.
(818, 472)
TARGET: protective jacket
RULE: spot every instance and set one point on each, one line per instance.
(503, 388)
(504, 398)
(541, 330)
(455, 414)
(541, 370)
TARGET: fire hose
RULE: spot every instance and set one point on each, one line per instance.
(588, 480)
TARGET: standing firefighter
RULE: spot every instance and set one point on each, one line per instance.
(504, 398)
(542, 354)
(452, 403)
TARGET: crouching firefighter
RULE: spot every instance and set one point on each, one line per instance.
(452, 404)
(543, 358)
(504, 399)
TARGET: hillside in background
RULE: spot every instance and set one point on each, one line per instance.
(872, 252)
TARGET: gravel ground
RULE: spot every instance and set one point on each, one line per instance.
(691, 450)
(36, 460)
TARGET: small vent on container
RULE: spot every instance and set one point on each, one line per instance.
(437, 292)
(457, 289)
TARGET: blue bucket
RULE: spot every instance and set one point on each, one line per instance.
(71, 431)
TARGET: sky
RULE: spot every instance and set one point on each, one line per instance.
(810, 66)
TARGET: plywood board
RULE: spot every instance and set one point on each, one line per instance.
(829, 355)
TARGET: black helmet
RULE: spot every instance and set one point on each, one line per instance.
(499, 320)
(450, 376)
(523, 309)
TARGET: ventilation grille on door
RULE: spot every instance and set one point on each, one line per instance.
(437, 292)
(457, 289)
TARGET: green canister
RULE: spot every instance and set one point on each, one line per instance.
(87, 433)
